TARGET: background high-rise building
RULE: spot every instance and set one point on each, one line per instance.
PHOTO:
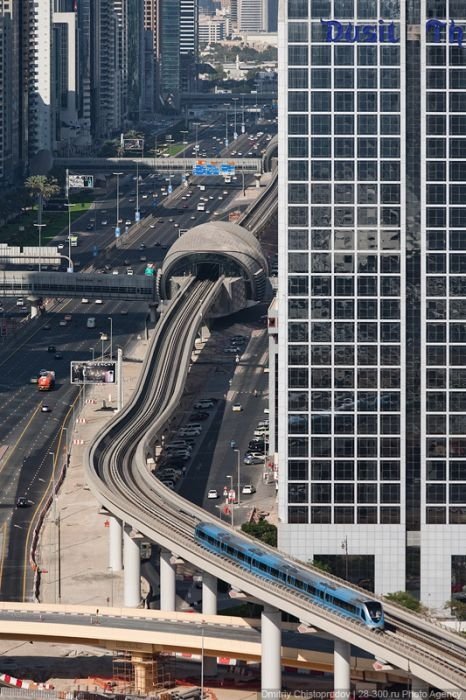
(372, 300)
(252, 15)
(169, 53)
(41, 117)
(10, 93)
(189, 43)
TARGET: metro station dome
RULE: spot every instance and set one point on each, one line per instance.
(217, 248)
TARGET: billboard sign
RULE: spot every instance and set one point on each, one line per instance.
(133, 144)
(93, 372)
(81, 181)
(203, 168)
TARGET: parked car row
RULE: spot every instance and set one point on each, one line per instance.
(178, 450)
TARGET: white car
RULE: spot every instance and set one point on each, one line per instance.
(115, 272)
(84, 300)
(248, 489)
(104, 222)
(212, 493)
(151, 225)
(60, 246)
(99, 301)
(129, 272)
(237, 408)
(127, 222)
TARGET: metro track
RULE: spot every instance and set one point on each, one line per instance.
(118, 474)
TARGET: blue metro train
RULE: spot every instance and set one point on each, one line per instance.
(275, 568)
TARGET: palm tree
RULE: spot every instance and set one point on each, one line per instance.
(43, 188)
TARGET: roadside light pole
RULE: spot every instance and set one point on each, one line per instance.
(117, 225)
(93, 353)
(226, 125)
(238, 467)
(56, 520)
(232, 505)
(137, 214)
(235, 133)
(70, 262)
(243, 127)
(344, 545)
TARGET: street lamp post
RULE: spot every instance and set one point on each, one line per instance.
(56, 520)
(226, 125)
(238, 467)
(232, 505)
(40, 227)
(137, 214)
(70, 262)
(93, 353)
(235, 133)
(117, 225)
(111, 336)
(243, 127)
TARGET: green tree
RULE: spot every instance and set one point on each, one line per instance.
(406, 600)
(457, 608)
(321, 565)
(263, 531)
(43, 188)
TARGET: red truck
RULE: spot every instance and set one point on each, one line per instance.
(46, 380)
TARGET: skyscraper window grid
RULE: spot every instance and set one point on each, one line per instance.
(357, 285)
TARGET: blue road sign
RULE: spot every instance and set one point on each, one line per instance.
(117, 232)
(227, 169)
(214, 169)
(170, 189)
(95, 251)
(137, 216)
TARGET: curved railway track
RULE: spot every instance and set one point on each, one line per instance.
(118, 474)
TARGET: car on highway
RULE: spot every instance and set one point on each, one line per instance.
(253, 459)
(60, 246)
(115, 272)
(212, 494)
(237, 408)
(260, 432)
(89, 227)
(151, 225)
(104, 336)
(45, 408)
(248, 489)
(182, 455)
(124, 312)
(142, 246)
(67, 317)
(104, 222)
(231, 350)
(189, 433)
(128, 222)
(84, 300)
(51, 348)
(203, 404)
(99, 301)
(46, 327)
(129, 271)
(143, 258)
(22, 502)
(58, 356)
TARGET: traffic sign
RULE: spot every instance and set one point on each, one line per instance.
(169, 189)
(137, 216)
(117, 232)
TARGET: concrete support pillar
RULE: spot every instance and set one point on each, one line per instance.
(419, 689)
(271, 642)
(209, 594)
(167, 582)
(115, 549)
(153, 312)
(341, 664)
(272, 398)
(132, 566)
(145, 673)
(210, 666)
(209, 607)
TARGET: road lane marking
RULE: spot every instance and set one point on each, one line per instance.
(2, 466)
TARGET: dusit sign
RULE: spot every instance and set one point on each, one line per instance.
(386, 32)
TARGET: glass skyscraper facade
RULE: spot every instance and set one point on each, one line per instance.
(372, 290)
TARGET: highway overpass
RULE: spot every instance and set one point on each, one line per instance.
(163, 165)
(152, 631)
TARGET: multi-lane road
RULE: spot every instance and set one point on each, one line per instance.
(30, 440)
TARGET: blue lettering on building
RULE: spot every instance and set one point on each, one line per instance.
(386, 32)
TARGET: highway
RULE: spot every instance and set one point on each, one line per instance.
(28, 436)
(120, 479)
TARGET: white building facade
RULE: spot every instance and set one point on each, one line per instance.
(372, 294)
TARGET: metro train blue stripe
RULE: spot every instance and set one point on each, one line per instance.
(274, 567)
